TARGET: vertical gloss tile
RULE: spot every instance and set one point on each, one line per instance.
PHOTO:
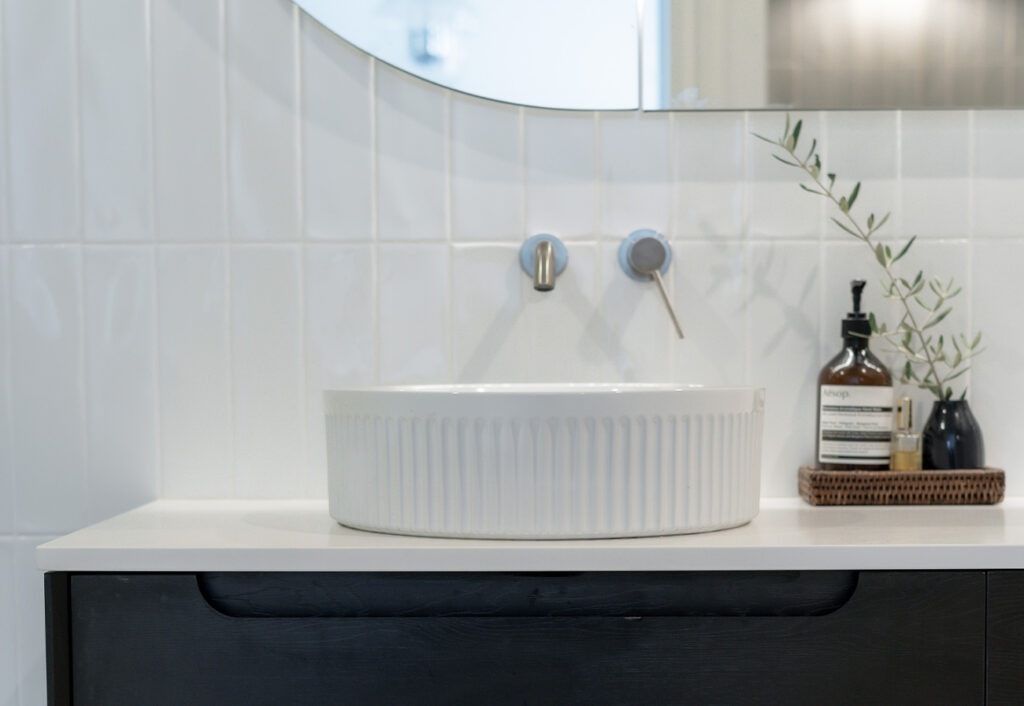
(49, 431)
(998, 376)
(413, 319)
(565, 335)
(710, 154)
(635, 331)
(262, 120)
(7, 525)
(120, 336)
(708, 294)
(41, 108)
(194, 373)
(114, 114)
(487, 178)
(188, 130)
(340, 348)
(935, 173)
(336, 136)
(266, 363)
(560, 173)
(778, 207)
(863, 145)
(636, 172)
(8, 630)
(410, 157)
(783, 355)
(998, 173)
(490, 319)
(5, 161)
(30, 622)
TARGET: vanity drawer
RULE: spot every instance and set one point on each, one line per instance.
(591, 638)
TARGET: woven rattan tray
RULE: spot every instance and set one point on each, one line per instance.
(965, 487)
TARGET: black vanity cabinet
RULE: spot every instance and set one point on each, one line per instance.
(819, 637)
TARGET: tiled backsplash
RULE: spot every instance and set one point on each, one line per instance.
(211, 212)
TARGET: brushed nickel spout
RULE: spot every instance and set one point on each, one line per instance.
(544, 266)
(543, 257)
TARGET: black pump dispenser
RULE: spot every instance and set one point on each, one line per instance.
(856, 324)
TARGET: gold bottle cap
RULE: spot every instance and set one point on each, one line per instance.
(905, 414)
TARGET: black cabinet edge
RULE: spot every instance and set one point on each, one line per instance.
(58, 638)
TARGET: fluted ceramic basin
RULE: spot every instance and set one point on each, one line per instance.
(544, 461)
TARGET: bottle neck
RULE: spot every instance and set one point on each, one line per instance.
(857, 343)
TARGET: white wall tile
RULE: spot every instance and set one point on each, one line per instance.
(560, 156)
(998, 173)
(490, 319)
(631, 323)
(783, 336)
(997, 375)
(710, 296)
(38, 43)
(636, 173)
(49, 429)
(340, 351)
(194, 373)
(487, 171)
(778, 207)
(710, 168)
(30, 622)
(411, 158)
(114, 89)
(337, 145)
(863, 145)
(413, 313)
(188, 121)
(262, 119)
(8, 632)
(935, 173)
(266, 364)
(6, 435)
(5, 161)
(120, 337)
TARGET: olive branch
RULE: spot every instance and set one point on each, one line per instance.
(929, 363)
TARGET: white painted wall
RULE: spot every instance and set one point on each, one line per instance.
(211, 211)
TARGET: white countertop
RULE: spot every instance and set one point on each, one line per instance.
(299, 535)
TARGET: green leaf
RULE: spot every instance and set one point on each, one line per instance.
(976, 341)
(903, 252)
(938, 319)
(963, 395)
(880, 254)
(785, 161)
(796, 132)
(873, 322)
(843, 206)
(853, 196)
(957, 374)
(831, 180)
(810, 190)
(851, 232)
(789, 144)
(888, 253)
(884, 219)
(786, 132)
(766, 139)
(814, 145)
(871, 221)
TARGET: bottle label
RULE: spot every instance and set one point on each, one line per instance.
(855, 424)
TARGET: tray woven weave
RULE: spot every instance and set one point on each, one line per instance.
(962, 487)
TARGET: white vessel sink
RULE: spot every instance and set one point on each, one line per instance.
(544, 461)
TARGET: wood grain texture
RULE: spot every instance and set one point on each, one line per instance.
(1005, 638)
(902, 637)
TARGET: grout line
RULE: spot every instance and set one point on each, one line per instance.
(222, 35)
(374, 222)
(597, 176)
(82, 350)
(226, 249)
(971, 235)
(8, 351)
(300, 182)
(746, 287)
(154, 298)
(523, 182)
(448, 166)
(6, 218)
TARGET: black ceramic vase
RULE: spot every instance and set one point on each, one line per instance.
(952, 438)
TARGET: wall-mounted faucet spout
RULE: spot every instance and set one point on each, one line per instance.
(544, 266)
(543, 257)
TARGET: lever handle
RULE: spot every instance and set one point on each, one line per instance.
(656, 276)
(645, 254)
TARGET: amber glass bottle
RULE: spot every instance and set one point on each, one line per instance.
(855, 398)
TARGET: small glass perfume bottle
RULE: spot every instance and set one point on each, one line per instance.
(906, 443)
